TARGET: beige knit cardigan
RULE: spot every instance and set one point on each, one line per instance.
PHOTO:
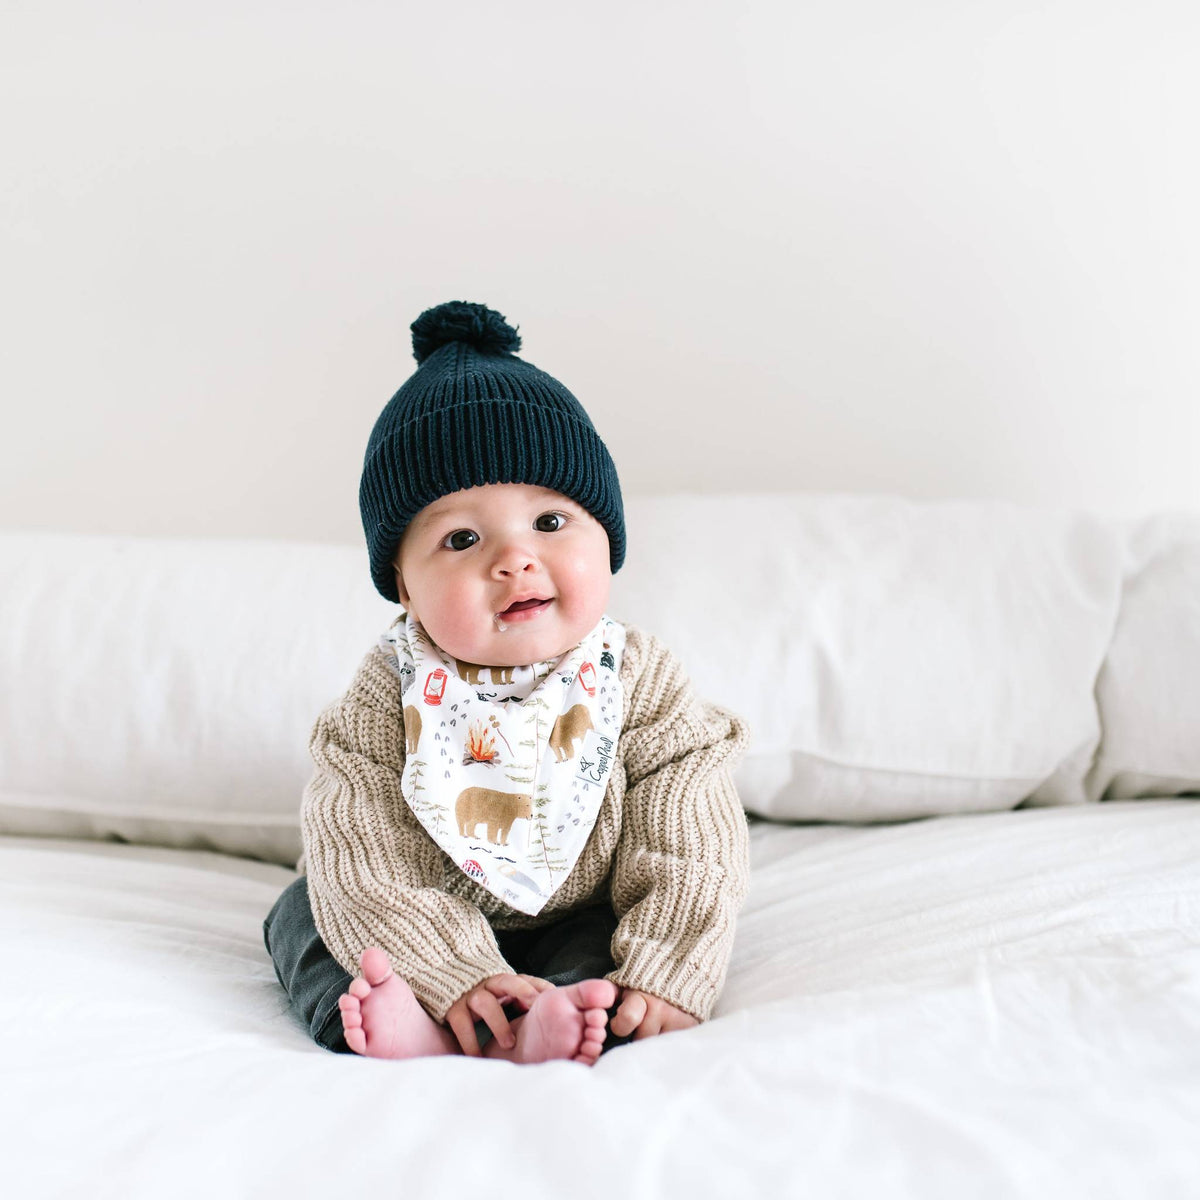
(669, 849)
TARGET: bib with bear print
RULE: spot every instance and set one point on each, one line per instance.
(506, 767)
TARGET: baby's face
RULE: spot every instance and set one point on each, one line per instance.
(464, 559)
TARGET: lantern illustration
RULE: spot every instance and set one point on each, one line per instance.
(587, 677)
(435, 686)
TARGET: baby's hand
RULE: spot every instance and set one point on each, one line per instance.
(648, 1015)
(484, 1001)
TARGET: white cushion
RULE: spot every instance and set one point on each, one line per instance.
(163, 691)
(1149, 689)
(894, 658)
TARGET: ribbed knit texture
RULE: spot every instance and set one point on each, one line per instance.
(670, 845)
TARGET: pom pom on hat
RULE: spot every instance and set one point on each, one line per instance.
(460, 321)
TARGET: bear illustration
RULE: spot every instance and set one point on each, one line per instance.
(569, 729)
(498, 810)
(470, 672)
(412, 728)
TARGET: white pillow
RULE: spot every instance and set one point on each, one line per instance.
(894, 658)
(1149, 689)
(163, 691)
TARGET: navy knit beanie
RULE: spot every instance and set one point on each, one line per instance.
(471, 414)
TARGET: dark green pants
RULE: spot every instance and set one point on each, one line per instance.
(570, 950)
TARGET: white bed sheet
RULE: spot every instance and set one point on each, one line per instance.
(994, 1005)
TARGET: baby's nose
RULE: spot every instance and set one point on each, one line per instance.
(513, 558)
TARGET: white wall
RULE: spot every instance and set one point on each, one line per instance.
(936, 248)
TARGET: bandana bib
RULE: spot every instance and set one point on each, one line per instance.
(506, 767)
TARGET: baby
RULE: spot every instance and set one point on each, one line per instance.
(521, 838)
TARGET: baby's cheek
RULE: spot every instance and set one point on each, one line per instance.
(463, 626)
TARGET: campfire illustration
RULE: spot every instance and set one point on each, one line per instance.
(481, 746)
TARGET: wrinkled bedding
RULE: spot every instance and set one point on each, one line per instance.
(990, 1005)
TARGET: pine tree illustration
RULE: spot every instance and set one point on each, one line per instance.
(536, 709)
(553, 861)
(539, 828)
(422, 805)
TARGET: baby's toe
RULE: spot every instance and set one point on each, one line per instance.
(588, 1053)
(360, 988)
(376, 966)
(592, 1041)
(598, 993)
(351, 1011)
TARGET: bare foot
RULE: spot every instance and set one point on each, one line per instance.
(383, 1019)
(563, 1022)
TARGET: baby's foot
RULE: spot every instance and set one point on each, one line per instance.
(383, 1019)
(563, 1022)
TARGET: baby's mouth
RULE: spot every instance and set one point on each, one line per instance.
(522, 605)
(523, 610)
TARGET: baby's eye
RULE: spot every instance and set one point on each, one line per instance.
(458, 540)
(557, 521)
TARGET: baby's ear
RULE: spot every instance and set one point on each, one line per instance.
(404, 597)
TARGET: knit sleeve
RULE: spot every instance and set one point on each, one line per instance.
(683, 860)
(374, 874)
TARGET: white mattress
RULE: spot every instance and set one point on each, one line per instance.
(991, 1005)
